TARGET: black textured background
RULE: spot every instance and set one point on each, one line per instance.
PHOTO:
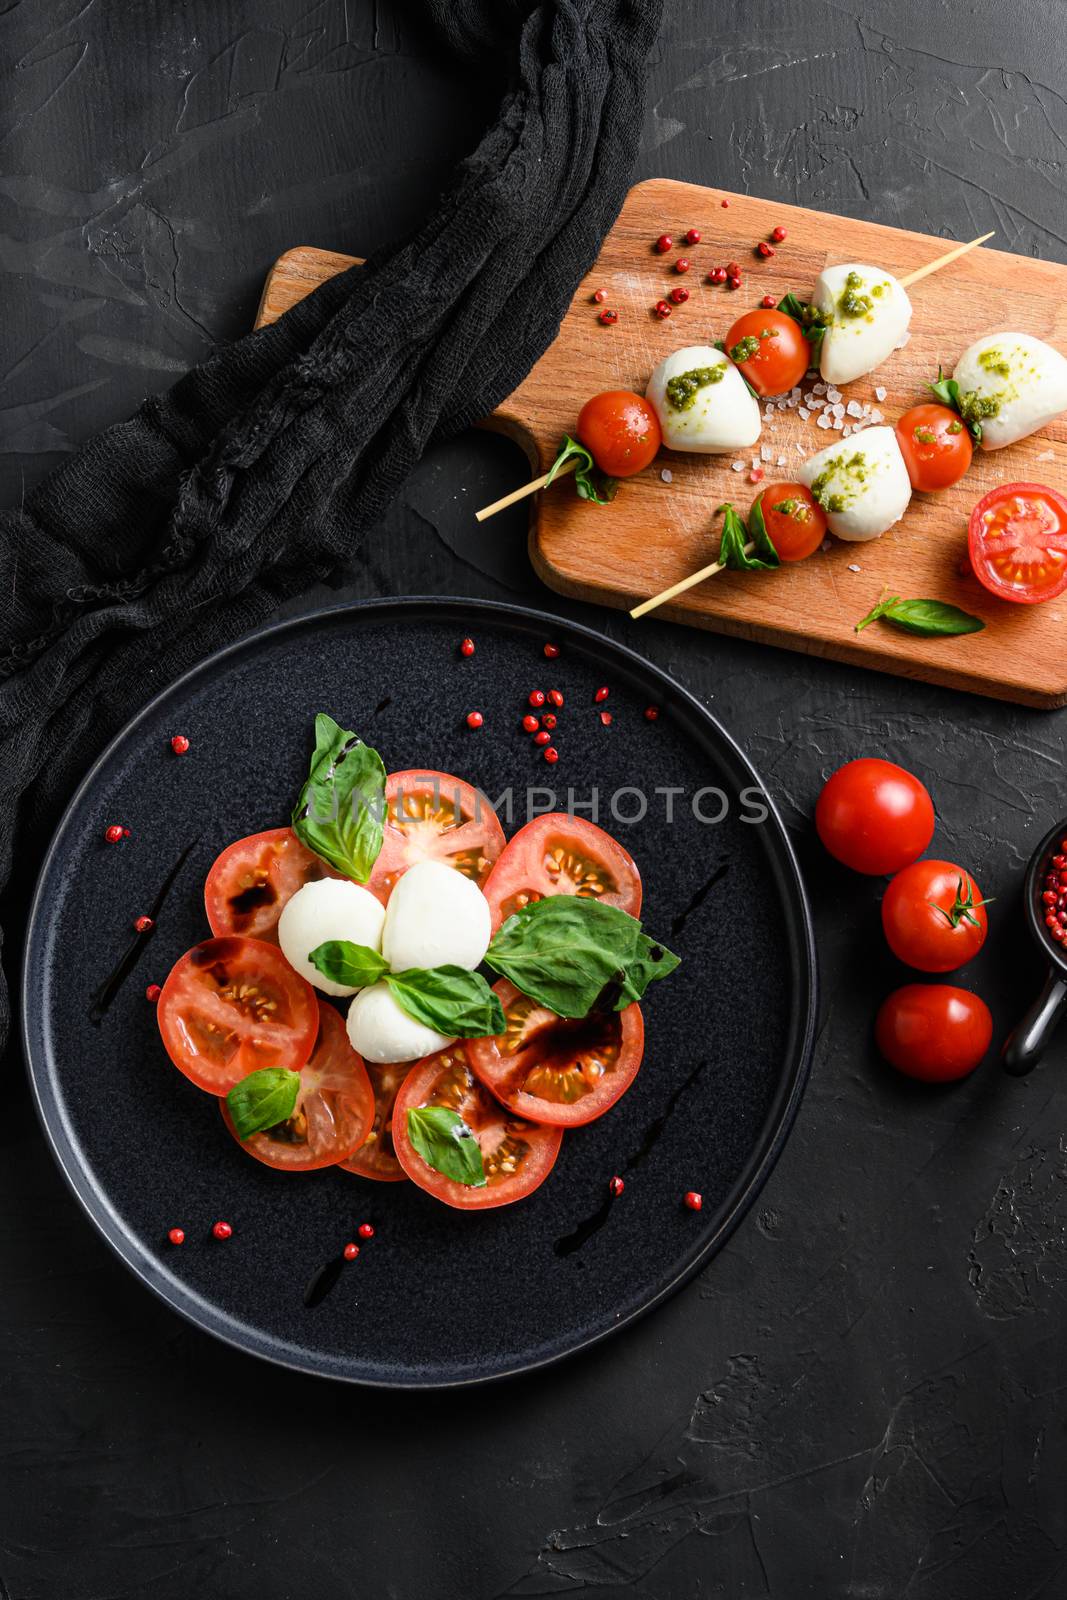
(862, 1397)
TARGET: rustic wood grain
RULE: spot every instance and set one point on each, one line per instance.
(655, 533)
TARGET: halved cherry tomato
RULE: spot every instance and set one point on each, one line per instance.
(334, 1107)
(1018, 542)
(620, 430)
(874, 816)
(250, 882)
(433, 816)
(794, 519)
(555, 1071)
(935, 445)
(933, 1031)
(561, 854)
(517, 1155)
(230, 1006)
(934, 916)
(376, 1157)
(770, 350)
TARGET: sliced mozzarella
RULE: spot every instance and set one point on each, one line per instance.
(1020, 378)
(862, 483)
(435, 918)
(702, 403)
(381, 1030)
(869, 312)
(332, 908)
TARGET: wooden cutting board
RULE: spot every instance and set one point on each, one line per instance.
(656, 532)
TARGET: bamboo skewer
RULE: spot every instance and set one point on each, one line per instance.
(943, 261)
(685, 583)
(527, 488)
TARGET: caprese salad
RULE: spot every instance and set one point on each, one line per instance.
(341, 1011)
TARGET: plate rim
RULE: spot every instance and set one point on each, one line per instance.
(210, 1319)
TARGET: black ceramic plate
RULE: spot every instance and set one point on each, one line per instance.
(437, 1297)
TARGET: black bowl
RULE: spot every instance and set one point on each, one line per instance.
(1025, 1046)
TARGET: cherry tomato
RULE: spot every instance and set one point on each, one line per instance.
(935, 445)
(874, 817)
(433, 816)
(1018, 542)
(770, 350)
(230, 1006)
(560, 854)
(376, 1157)
(250, 882)
(933, 1031)
(934, 916)
(334, 1107)
(621, 432)
(517, 1156)
(554, 1071)
(795, 520)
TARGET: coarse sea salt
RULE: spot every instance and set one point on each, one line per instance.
(766, 453)
(833, 395)
(824, 420)
(880, 393)
(667, 475)
(737, 466)
(852, 567)
(854, 409)
(803, 413)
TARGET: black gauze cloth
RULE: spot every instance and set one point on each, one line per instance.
(171, 534)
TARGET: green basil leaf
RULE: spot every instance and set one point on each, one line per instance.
(341, 809)
(930, 618)
(455, 1002)
(589, 482)
(262, 1100)
(811, 319)
(566, 952)
(733, 547)
(947, 391)
(445, 1142)
(355, 965)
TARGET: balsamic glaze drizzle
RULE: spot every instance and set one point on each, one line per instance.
(101, 1000)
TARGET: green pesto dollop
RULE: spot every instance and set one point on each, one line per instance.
(684, 387)
(828, 489)
(745, 348)
(851, 303)
(975, 407)
(795, 509)
(995, 361)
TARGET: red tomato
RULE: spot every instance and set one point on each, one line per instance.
(334, 1107)
(376, 1158)
(935, 445)
(551, 1070)
(934, 916)
(778, 353)
(1018, 542)
(874, 816)
(560, 854)
(933, 1031)
(231, 1006)
(517, 1156)
(433, 816)
(621, 432)
(795, 520)
(250, 882)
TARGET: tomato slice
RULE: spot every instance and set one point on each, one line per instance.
(230, 1006)
(433, 816)
(334, 1107)
(517, 1155)
(376, 1157)
(561, 854)
(1018, 542)
(250, 882)
(550, 1070)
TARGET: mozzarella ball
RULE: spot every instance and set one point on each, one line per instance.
(435, 918)
(702, 403)
(868, 311)
(332, 908)
(1013, 384)
(861, 483)
(381, 1030)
